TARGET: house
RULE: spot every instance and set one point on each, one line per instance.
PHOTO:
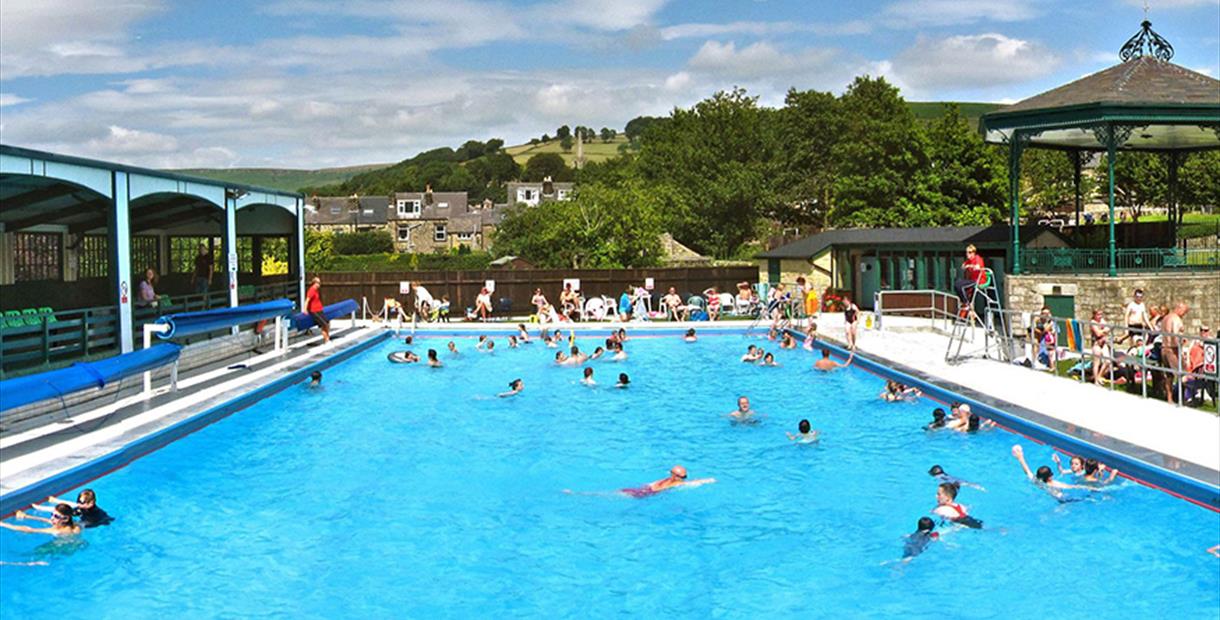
(346, 213)
(430, 221)
(533, 194)
(866, 260)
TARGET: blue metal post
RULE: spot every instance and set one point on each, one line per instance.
(301, 253)
(120, 257)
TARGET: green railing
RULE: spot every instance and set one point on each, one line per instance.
(1071, 260)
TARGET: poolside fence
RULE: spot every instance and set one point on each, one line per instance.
(515, 287)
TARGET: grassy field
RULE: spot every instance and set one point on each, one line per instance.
(1193, 224)
(286, 179)
(595, 151)
(932, 110)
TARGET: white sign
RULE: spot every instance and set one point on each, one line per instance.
(574, 283)
(404, 287)
(490, 285)
(649, 283)
(1209, 358)
(233, 262)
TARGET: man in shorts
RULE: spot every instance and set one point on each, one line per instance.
(1171, 345)
(313, 306)
(1135, 316)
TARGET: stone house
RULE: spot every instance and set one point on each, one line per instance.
(534, 193)
(346, 213)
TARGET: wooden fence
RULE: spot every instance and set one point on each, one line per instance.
(517, 285)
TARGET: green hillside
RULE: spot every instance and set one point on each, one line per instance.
(286, 179)
(595, 151)
(932, 110)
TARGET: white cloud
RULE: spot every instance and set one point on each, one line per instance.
(755, 60)
(700, 30)
(678, 82)
(973, 61)
(122, 140)
(8, 99)
(1173, 4)
(908, 13)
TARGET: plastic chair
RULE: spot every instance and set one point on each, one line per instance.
(595, 309)
(49, 313)
(12, 318)
(31, 317)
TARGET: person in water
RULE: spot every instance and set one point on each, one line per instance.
(826, 364)
(85, 507)
(491, 346)
(1045, 477)
(938, 420)
(804, 433)
(690, 335)
(938, 472)
(512, 342)
(61, 523)
(514, 388)
(619, 353)
(481, 344)
(753, 354)
(917, 541)
(623, 380)
(315, 379)
(453, 348)
(787, 342)
(522, 334)
(597, 353)
(743, 414)
(403, 357)
(769, 360)
(1086, 470)
(677, 478)
(434, 361)
(588, 378)
(949, 510)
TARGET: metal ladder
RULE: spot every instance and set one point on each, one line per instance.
(997, 339)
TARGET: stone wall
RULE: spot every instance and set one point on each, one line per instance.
(1201, 290)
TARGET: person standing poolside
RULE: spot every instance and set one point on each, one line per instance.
(514, 388)
(1171, 345)
(1135, 316)
(61, 523)
(677, 478)
(948, 509)
(851, 322)
(826, 364)
(313, 305)
(804, 434)
(204, 267)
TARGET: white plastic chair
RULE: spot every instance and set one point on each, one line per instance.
(728, 303)
(595, 309)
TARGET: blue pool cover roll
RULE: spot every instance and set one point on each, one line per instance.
(83, 375)
(302, 320)
(190, 323)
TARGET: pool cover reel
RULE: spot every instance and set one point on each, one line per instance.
(83, 375)
(302, 320)
(190, 323)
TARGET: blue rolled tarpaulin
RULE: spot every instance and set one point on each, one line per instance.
(302, 320)
(190, 323)
(83, 375)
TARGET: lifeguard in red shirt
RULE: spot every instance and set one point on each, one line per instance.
(313, 306)
(973, 274)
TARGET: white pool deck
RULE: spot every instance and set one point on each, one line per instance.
(1181, 433)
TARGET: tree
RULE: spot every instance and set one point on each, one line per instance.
(963, 184)
(470, 150)
(1199, 180)
(1141, 180)
(493, 145)
(608, 134)
(563, 132)
(601, 227)
(1048, 183)
(714, 161)
(545, 165)
(811, 125)
(637, 126)
(565, 143)
(879, 166)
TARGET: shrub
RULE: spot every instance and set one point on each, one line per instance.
(365, 242)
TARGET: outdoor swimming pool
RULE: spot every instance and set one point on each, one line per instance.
(405, 491)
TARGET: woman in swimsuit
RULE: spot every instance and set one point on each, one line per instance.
(1045, 478)
(514, 387)
(433, 361)
(61, 523)
(1101, 347)
(851, 317)
(677, 478)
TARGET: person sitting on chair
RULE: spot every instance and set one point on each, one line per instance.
(973, 274)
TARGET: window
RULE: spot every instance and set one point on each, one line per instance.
(182, 252)
(145, 254)
(562, 194)
(528, 196)
(93, 257)
(404, 234)
(465, 236)
(336, 210)
(37, 256)
(408, 208)
(442, 205)
(368, 211)
(245, 255)
(440, 234)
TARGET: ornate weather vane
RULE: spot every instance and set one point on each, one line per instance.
(1146, 41)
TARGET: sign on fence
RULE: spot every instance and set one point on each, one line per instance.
(572, 282)
(404, 287)
(490, 285)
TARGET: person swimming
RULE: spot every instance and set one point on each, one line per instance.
(690, 335)
(938, 420)
(491, 346)
(826, 364)
(523, 334)
(315, 379)
(623, 380)
(919, 540)
(1044, 478)
(61, 522)
(949, 510)
(577, 357)
(408, 340)
(677, 478)
(786, 341)
(804, 433)
(514, 387)
(1086, 470)
(85, 507)
(936, 471)
(768, 360)
(561, 358)
(512, 342)
(433, 360)
(753, 354)
(619, 353)
(481, 343)
(403, 357)
(597, 353)
(743, 414)
(588, 378)
(453, 348)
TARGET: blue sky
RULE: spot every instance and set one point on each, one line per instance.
(312, 83)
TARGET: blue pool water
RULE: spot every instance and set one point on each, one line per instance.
(404, 491)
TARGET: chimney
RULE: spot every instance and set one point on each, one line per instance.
(428, 195)
(548, 187)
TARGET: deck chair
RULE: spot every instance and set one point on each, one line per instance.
(12, 318)
(49, 313)
(595, 309)
(728, 304)
(31, 317)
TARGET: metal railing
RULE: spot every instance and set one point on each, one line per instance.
(1075, 260)
(939, 306)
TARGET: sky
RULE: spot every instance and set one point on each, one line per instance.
(319, 83)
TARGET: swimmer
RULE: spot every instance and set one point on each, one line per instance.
(811, 335)
(61, 523)
(753, 354)
(561, 358)
(514, 388)
(787, 341)
(522, 334)
(597, 353)
(769, 360)
(772, 333)
(918, 540)
(315, 379)
(623, 380)
(85, 507)
(481, 344)
(690, 335)
(621, 335)
(453, 348)
(588, 378)
(433, 361)
(408, 340)
(577, 357)
(512, 342)
(961, 417)
(743, 414)
(804, 434)
(403, 357)
(1215, 551)
(619, 354)
(949, 510)
(939, 473)
(551, 343)
(1045, 478)
(1088, 470)
(826, 364)
(491, 346)
(677, 478)
(938, 420)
